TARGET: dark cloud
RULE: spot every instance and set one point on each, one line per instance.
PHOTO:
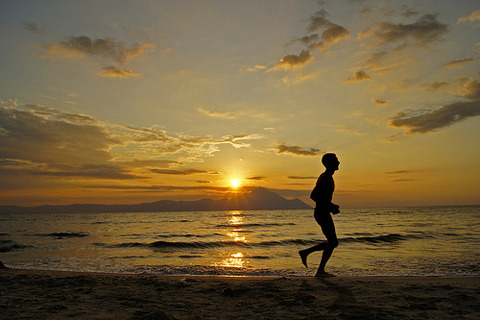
(391, 39)
(108, 48)
(116, 52)
(296, 150)
(33, 27)
(359, 75)
(32, 137)
(301, 178)
(432, 120)
(331, 33)
(420, 33)
(425, 121)
(257, 178)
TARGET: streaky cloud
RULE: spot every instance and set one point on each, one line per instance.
(436, 85)
(458, 63)
(184, 172)
(33, 27)
(114, 72)
(213, 114)
(474, 16)
(296, 150)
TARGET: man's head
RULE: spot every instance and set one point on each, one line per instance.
(330, 161)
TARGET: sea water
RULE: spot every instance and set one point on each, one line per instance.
(372, 242)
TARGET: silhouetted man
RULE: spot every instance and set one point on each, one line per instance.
(322, 195)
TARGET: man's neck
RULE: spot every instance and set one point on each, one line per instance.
(330, 172)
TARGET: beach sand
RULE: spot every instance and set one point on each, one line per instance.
(41, 294)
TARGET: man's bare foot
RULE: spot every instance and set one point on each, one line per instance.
(324, 274)
(303, 256)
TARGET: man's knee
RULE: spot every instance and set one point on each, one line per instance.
(332, 243)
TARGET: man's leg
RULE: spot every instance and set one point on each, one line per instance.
(328, 229)
(304, 253)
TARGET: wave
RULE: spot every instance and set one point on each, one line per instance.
(9, 245)
(159, 245)
(252, 225)
(188, 235)
(61, 235)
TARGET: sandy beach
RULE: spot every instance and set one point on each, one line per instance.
(41, 294)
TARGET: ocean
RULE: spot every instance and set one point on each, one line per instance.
(420, 241)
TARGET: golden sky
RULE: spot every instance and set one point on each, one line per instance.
(138, 101)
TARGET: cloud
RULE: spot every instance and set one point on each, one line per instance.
(109, 49)
(400, 172)
(458, 63)
(41, 141)
(425, 121)
(391, 39)
(184, 172)
(420, 33)
(33, 27)
(474, 16)
(432, 120)
(436, 85)
(213, 114)
(114, 72)
(294, 60)
(162, 188)
(380, 102)
(296, 150)
(55, 144)
(257, 67)
(257, 178)
(331, 33)
(359, 75)
(301, 177)
(408, 12)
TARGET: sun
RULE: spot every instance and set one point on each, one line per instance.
(235, 183)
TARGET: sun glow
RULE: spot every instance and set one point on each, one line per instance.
(235, 183)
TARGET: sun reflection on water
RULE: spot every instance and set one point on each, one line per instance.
(236, 259)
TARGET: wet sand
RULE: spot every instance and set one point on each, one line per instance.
(39, 294)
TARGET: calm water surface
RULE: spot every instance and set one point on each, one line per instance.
(405, 241)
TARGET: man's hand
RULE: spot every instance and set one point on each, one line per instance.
(334, 208)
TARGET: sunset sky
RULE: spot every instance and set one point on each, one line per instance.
(138, 101)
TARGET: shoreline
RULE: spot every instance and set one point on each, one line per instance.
(27, 293)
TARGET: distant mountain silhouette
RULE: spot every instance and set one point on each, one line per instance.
(258, 199)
